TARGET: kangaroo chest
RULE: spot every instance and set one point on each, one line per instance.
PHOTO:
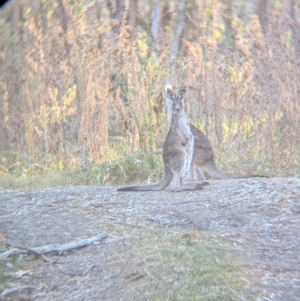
(184, 132)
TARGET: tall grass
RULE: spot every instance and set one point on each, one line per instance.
(77, 79)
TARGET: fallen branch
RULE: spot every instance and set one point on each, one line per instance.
(55, 248)
(15, 290)
(79, 274)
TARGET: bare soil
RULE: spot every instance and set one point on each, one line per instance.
(256, 221)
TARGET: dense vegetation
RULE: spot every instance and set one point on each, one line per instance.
(81, 84)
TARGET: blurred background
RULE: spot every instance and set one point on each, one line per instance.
(81, 86)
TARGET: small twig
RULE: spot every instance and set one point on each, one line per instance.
(102, 204)
(70, 274)
(79, 274)
(116, 239)
(88, 269)
(46, 259)
(148, 273)
(190, 202)
(55, 248)
(15, 290)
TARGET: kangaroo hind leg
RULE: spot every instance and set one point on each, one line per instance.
(178, 186)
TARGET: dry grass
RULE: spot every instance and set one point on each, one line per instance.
(73, 78)
(187, 264)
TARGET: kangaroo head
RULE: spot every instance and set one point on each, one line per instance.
(177, 100)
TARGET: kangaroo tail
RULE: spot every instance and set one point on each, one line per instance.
(213, 171)
(162, 184)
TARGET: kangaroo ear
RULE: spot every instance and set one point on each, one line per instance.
(182, 92)
(170, 93)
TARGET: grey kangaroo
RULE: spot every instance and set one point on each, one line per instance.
(177, 151)
(203, 155)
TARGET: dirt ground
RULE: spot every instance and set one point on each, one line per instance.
(256, 221)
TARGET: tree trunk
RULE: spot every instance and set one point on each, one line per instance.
(227, 16)
(295, 29)
(155, 24)
(131, 12)
(261, 11)
(117, 9)
(180, 27)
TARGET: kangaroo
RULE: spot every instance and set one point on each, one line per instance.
(203, 155)
(177, 151)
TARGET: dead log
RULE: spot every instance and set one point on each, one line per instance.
(54, 248)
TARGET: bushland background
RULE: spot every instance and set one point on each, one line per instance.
(81, 86)
(81, 103)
